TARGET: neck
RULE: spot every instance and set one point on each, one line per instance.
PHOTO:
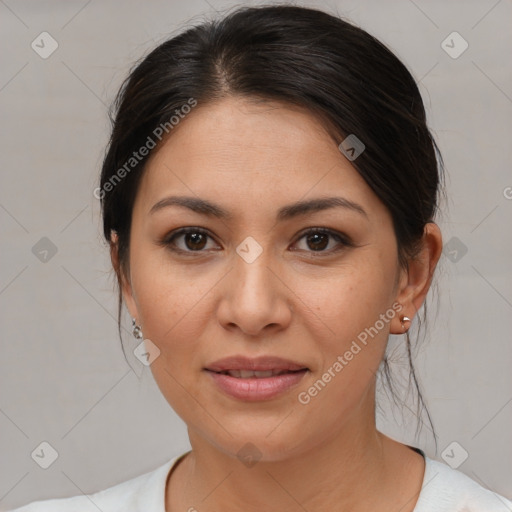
(356, 469)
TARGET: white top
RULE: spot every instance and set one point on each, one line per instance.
(444, 490)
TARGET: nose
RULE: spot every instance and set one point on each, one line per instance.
(255, 298)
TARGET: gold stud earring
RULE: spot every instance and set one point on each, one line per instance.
(403, 319)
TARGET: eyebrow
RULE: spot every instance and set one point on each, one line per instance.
(204, 207)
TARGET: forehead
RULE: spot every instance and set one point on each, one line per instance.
(249, 153)
(248, 131)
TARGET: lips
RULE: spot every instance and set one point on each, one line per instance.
(255, 379)
(249, 374)
(259, 367)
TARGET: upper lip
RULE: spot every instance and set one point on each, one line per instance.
(261, 363)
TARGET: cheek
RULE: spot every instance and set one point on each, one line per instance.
(350, 300)
(169, 301)
(347, 323)
(171, 307)
(349, 360)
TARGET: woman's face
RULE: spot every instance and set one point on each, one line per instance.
(255, 283)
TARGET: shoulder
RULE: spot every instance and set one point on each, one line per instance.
(446, 490)
(144, 492)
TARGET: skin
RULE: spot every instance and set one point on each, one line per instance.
(292, 301)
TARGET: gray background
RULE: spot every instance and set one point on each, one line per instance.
(63, 376)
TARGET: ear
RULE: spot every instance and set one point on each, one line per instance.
(415, 281)
(123, 280)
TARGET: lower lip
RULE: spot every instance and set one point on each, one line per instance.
(253, 389)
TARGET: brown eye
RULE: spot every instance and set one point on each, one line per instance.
(195, 241)
(318, 240)
(187, 240)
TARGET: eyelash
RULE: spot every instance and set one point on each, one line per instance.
(342, 239)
